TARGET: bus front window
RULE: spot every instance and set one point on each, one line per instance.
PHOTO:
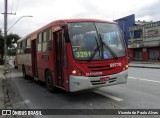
(86, 43)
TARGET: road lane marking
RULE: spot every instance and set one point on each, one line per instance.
(144, 79)
(109, 96)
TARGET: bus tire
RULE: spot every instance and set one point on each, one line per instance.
(24, 72)
(49, 82)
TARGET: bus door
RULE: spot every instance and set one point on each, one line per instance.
(34, 58)
(60, 56)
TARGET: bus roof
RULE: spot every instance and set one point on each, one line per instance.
(23, 38)
(64, 21)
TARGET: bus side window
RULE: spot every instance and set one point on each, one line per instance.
(18, 47)
(49, 34)
(39, 43)
(46, 45)
(28, 47)
(49, 46)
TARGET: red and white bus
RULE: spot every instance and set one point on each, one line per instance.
(75, 55)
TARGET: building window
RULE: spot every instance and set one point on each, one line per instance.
(153, 54)
(138, 55)
(138, 34)
(152, 32)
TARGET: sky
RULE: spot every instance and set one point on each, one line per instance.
(46, 11)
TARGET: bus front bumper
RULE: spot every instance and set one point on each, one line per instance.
(78, 83)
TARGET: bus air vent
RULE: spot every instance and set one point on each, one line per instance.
(112, 80)
(97, 82)
(100, 68)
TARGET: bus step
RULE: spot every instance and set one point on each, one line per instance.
(61, 87)
(35, 79)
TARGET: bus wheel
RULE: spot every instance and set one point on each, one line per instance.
(49, 82)
(24, 72)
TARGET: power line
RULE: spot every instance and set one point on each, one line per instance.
(12, 6)
(17, 5)
(15, 12)
(2, 3)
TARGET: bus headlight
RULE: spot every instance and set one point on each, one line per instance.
(126, 66)
(76, 71)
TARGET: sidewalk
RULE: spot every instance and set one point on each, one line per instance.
(141, 64)
(4, 92)
(2, 105)
(9, 96)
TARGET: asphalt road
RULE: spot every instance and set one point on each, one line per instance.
(141, 92)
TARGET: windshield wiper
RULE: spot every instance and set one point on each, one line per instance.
(95, 51)
(102, 50)
(113, 53)
(108, 47)
(100, 47)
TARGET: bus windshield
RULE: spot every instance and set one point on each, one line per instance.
(96, 41)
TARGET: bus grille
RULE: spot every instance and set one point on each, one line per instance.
(98, 82)
(100, 68)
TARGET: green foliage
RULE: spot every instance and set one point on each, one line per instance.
(1, 49)
(1, 45)
(11, 40)
(11, 44)
(11, 52)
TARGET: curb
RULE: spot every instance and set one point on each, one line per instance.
(144, 67)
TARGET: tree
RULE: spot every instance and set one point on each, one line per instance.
(1, 49)
(11, 45)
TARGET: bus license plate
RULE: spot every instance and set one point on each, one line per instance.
(104, 79)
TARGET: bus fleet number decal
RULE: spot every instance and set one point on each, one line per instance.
(115, 64)
(83, 54)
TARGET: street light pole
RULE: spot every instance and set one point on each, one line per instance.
(5, 32)
(17, 21)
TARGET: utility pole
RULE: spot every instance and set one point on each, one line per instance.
(5, 31)
(0, 32)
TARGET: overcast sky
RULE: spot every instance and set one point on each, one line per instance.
(45, 11)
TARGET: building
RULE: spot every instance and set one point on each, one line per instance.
(124, 23)
(144, 42)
